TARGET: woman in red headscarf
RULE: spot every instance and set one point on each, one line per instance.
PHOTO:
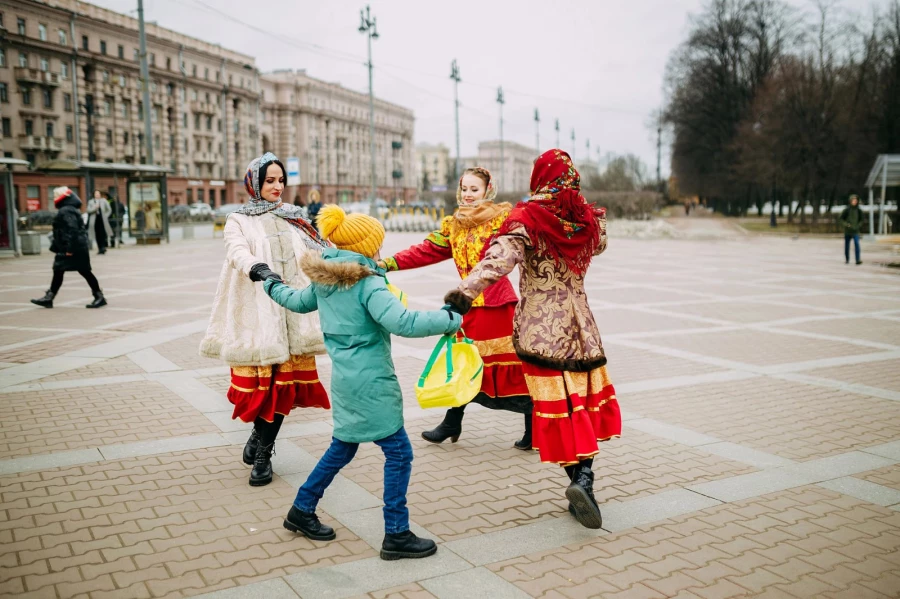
(552, 238)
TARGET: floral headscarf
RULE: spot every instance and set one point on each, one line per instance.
(558, 214)
(256, 205)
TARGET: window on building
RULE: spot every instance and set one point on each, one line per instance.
(196, 145)
(29, 127)
(20, 26)
(157, 114)
(42, 32)
(170, 89)
(2, 57)
(125, 138)
(122, 81)
(152, 59)
(137, 55)
(121, 51)
(85, 43)
(7, 127)
(4, 93)
(218, 76)
(23, 60)
(125, 109)
(45, 64)
(63, 37)
(26, 96)
(107, 107)
(49, 129)
(189, 194)
(209, 120)
(196, 121)
(64, 70)
(207, 97)
(48, 98)
(168, 63)
(206, 73)
(102, 47)
(219, 125)
(104, 76)
(185, 146)
(109, 137)
(70, 133)
(185, 120)
(230, 78)
(194, 94)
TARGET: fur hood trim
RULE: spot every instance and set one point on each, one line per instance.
(339, 273)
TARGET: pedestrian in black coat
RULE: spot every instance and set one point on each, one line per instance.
(70, 244)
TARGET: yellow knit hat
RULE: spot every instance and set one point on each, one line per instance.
(358, 233)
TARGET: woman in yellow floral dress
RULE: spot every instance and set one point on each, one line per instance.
(463, 237)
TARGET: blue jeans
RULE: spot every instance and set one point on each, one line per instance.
(847, 238)
(398, 457)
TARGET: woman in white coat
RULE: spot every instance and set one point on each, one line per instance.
(98, 228)
(270, 350)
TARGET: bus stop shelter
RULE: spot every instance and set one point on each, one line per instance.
(885, 173)
(8, 242)
(148, 214)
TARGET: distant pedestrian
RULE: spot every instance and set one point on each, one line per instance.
(70, 243)
(116, 220)
(852, 218)
(99, 229)
(313, 209)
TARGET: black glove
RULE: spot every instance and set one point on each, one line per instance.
(451, 308)
(262, 272)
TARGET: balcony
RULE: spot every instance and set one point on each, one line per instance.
(40, 143)
(206, 158)
(35, 76)
(204, 107)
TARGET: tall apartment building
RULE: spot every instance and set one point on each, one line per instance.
(513, 174)
(68, 68)
(434, 167)
(326, 127)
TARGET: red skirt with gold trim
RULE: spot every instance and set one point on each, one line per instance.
(572, 412)
(256, 393)
(491, 329)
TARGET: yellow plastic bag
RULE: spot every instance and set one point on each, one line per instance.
(398, 292)
(452, 376)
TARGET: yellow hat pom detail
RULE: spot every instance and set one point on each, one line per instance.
(358, 233)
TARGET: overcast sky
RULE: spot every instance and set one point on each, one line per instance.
(596, 65)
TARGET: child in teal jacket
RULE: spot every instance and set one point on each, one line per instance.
(358, 314)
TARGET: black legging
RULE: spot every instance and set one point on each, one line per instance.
(100, 232)
(84, 272)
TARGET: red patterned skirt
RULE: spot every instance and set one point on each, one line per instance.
(256, 393)
(491, 329)
(572, 412)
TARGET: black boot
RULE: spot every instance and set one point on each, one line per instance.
(99, 300)
(261, 474)
(250, 448)
(308, 525)
(580, 494)
(450, 428)
(406, 545)
(525, 443)
(46, 301)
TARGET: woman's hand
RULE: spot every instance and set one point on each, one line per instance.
(381, 264)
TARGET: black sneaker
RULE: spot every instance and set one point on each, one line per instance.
(308, 525)
(406, 545)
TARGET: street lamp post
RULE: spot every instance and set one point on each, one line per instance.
(573, 144)
(537, 131)
(454, 74)
(145, 85)
(557, 133)
(367, 26)
(501, 102)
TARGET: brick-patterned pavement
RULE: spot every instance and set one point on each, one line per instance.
(760, 455)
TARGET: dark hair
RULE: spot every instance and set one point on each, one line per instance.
(265, 167)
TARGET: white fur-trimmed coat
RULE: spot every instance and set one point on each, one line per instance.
(246, 327)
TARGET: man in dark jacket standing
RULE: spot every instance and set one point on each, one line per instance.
(70, 244)
(852, 218)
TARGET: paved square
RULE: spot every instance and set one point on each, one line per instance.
(760, 455)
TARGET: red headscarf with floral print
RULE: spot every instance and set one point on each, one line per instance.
(558, 214)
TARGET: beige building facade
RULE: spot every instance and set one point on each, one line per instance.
(434, 167)
(513, 173)
(70, 88)
(326, 127)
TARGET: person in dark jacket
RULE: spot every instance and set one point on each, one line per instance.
(313, 209)
(70, 244)
(852, 218)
